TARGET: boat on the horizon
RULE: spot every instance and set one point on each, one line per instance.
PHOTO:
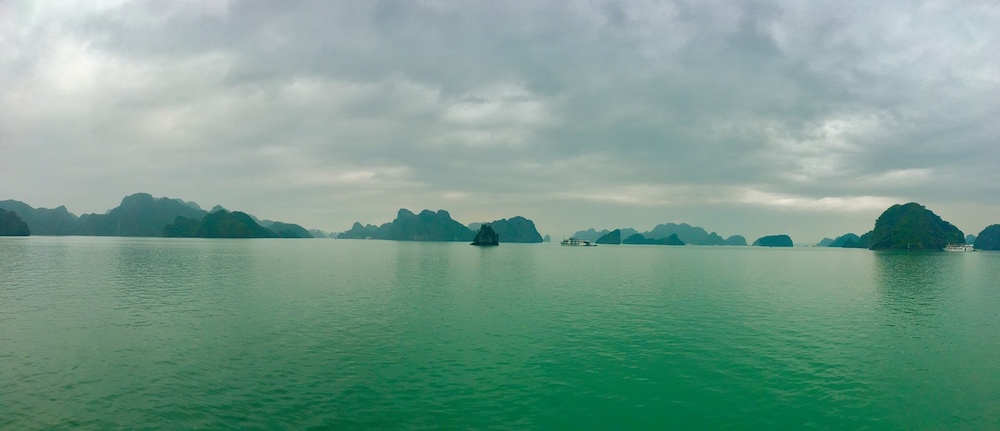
(959, 247)
(578, 242)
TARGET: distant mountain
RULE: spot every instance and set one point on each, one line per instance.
(848, 240)
(426, 226)
(516, 229)
(685, 232)
(486, 236)
(547, 238)
(43, 221)
(712, 239)
(613, 237)
(825, 242)
(989, 238)
(639, 238)
(316, 233)
(219, 224)
(594, 235)
(286, 230)
(12, 225)
(138, 215)
(773, 241)
(970, 239)
(913, 227)
(736, 240)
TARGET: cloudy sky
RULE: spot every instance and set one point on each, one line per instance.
(744, 117)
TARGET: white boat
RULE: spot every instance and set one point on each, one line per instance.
(578, 242)
(959, 247)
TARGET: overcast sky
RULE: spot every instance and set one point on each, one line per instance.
(744, 117)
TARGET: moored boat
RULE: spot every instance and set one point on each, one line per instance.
(578, 242)
(959, 247)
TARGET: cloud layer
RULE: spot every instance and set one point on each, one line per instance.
(745, 117)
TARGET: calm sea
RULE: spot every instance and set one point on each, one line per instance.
(120, 333)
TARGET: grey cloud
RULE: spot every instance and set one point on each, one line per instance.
(372, 105)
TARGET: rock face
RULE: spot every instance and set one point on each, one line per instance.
(913, 227)
(219, 224)
(594, 235)
(286, 230)
(613, 237)
(773, 241)
(738, 240)
(225, 224)
(640, 239)
(138, 215)
(43, 221)
(989, 238)
(426, 226)
(685, 232)
(516, 229)
(12, 225)
(486, 236)
(848, 240)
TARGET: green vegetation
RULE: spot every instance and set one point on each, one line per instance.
(43, 221)
(427, 226)
(516, 229)
(225, 224)
(989, 238)
(848, 240)
(736, 240)
(486, 236)
(613, 237)
(137, 215)
(913, 227)
(182, 227)
(642, 240)
(774, 241)
(12, 225)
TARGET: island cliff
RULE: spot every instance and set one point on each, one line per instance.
(613, 237)
(12, 225)
(912, 227)
(773, 241)
(486, 236)
(989, 238)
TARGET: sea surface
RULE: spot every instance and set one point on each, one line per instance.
(133, 334)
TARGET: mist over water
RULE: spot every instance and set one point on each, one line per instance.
(126, 333)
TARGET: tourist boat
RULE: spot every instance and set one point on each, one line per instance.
(578, 242)
(959, 247)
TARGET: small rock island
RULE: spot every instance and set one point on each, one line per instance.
(486, 236)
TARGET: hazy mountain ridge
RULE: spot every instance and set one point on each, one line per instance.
(686, 233)
(439, 226)
(138, 215)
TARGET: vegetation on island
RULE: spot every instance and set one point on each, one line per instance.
(426, 226)
(912, 227)
(43, 221)
(685, 233)
(12, 225)
(516, 229)
(989, 238)
(439, 226)
(613, 237)
(486, 236)
(639, 238)
(736, 240)
(773, 241)
(219, 224)
(138, 215)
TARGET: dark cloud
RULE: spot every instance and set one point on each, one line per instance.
(577, 114)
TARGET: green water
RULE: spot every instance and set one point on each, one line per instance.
(117, 333)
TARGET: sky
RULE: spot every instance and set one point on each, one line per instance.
(743, 117)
